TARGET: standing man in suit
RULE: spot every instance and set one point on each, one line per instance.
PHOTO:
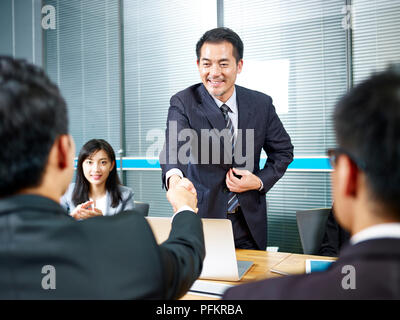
(44, 252)
(366, 192)
(215, 133)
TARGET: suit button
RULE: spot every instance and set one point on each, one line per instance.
(226, 190)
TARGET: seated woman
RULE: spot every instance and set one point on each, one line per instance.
(97, 190)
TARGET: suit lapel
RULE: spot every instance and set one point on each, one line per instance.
(211, 110)
(245, 116)
(244, 108)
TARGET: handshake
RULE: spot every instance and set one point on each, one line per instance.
(181, 192)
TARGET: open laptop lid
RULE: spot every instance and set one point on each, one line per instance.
(220, 262)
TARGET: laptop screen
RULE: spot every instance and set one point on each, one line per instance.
(220, 262)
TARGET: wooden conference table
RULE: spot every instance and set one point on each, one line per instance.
(264, 261)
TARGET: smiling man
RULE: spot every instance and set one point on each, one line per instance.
(219, 66)
(239, 123)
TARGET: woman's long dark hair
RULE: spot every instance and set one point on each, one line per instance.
(82, 185)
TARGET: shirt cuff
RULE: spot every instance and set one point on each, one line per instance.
(171, 173)
(183, 208)
(262, 185)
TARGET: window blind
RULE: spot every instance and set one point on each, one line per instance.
(159, 49)
(20, 30)
(376, 42)
(82, 57)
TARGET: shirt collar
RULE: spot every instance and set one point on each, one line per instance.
(384, 230)
(231, 103)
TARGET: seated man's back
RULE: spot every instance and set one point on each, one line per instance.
(366, 193)
(44, 252)
(112, 257)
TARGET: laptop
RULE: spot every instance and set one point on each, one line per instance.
(220, 262)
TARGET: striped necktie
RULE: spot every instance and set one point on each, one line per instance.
(233, 202)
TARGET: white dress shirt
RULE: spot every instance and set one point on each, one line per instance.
(379, 231)
(101, 204)
(234, 115)
(183, 208)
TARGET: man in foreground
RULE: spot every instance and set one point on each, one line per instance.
(45, 253)
(366, 192)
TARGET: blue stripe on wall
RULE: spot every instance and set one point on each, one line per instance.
(297, 164)
(306, 164)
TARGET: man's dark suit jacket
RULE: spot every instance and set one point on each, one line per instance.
(335, 237)
(377, 276)
(113, 257)
(194, 108)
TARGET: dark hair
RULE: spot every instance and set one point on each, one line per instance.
(219, 35)
(82, 185)
(367, 124)
(32, 115)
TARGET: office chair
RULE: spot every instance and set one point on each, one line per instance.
(142, 207)
(311, 225)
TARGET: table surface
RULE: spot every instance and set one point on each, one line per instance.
(264, 261)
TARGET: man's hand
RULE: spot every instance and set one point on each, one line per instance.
(173, 181)
(248, 181)
(176, 180)
(183, 193)
(187, 184)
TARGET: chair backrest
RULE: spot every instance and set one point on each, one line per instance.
(311, 225)
(142, 207)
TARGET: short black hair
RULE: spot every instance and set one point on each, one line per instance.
(32, 115)
(367, 124)
(82, 185)
(219, 35)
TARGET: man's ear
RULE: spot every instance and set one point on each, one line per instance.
(240, 66)
(350, 175)
(64, 146)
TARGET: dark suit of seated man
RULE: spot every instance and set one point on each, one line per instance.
(45, 253)
(366, 193)
(335, 237)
